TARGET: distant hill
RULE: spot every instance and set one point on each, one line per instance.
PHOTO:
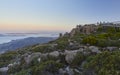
(14, 44)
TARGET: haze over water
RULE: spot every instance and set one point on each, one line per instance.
(4, 38)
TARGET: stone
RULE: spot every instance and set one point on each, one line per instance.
(10, 65)
(4, 69)
(69, 71)
(94, 49)
(54, 54)
(111, 48)
(44, 55)
(29, 58)
(39, 59)
(69, 55)
(61, 71)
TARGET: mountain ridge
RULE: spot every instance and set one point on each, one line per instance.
(19, 43)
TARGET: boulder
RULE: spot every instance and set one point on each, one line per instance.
(69, 71)
(94, 49)
(4, 69)
(69, 55)
(62, 71)
(29, 58)
(54, 54)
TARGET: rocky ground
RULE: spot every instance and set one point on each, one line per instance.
(79, 54)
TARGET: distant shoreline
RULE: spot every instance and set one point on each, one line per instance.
(7, 37)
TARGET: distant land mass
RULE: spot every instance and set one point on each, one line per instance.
(15, 44)
(25, 34)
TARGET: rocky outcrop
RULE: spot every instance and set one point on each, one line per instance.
(86, 29)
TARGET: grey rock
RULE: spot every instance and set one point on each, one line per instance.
(111, 48)
(4, 69)
(94, 49)
(69, 55)
(54, 54)
(29, 58)
(69, 71)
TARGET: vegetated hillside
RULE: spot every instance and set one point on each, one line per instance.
(15, 44)
(97, 53)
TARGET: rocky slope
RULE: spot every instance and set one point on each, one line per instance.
(97, 53)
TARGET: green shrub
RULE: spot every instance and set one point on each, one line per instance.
(79, 58)
(89, 40)
(14, 69)
(23, 72)
(62, 43)
(48, 66)
(106, 63)
(6, 58)
(42, 49)
(102, 43)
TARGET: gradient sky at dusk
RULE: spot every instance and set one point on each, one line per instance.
(54, 15)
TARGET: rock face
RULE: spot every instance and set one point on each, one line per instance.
(86, 29)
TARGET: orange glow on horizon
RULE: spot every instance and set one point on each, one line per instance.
(15, 27)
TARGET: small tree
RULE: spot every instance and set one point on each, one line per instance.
(89, 40)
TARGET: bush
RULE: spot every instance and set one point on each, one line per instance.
(48, 66)
(23, 72)
(6, 58)
(106, 63)
(89, 40)
(14, 69)
(79, 58)
(62, 43)
(42, 49)
(102, 43)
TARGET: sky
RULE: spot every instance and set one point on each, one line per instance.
(54, 15)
